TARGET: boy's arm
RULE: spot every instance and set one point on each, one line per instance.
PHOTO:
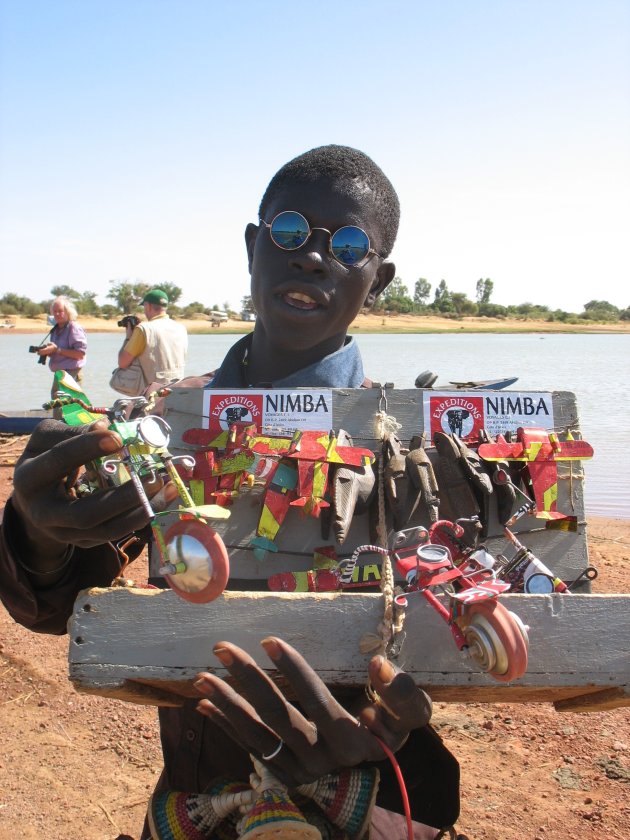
(47, 609)
(54, 542)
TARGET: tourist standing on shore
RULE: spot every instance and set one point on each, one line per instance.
(159, 345)
(67, 347)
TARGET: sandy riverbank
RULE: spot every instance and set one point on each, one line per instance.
(371, 323)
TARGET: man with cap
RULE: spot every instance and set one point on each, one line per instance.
(159, 344)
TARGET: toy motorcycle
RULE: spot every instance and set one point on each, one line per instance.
(193, 557)
(496, 638)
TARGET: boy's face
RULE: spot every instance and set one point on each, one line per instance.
(305, 299)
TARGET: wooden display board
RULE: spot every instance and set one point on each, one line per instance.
(147, 646)
(355, 411)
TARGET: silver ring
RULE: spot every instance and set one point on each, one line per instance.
(274, 753)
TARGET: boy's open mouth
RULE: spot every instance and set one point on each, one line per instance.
(299, 301)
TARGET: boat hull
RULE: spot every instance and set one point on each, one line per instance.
(21, 422)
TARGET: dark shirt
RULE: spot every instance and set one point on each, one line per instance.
(195, 750)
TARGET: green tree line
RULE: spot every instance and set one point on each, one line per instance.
(126, 297)
(450, 304)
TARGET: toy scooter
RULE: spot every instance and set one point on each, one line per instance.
(193, 557)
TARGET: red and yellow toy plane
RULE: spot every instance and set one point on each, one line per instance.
(314, 453)
(539, 451)
(301, 484)
(295, 470)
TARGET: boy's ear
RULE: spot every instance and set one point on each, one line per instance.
(251, 232)
(384, 276)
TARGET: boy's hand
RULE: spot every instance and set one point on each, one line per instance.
(321, 738)
(44, 498)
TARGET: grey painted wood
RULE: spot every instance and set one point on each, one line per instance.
(123, 638)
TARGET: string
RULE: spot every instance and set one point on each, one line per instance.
(401, 784)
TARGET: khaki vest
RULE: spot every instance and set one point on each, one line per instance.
(164, 358)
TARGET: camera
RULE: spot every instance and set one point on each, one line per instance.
(33, 349)
(129, 321)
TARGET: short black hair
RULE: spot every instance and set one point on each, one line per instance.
(353, 171)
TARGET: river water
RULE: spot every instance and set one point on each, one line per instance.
(595, 367)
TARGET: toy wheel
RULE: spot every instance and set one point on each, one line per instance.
(522, 627)
(207, 563)
(497, 640)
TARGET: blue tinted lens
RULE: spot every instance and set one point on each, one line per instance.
(289, 230)
(350, 245)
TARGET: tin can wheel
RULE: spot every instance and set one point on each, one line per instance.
(199, 560)
(497, 640)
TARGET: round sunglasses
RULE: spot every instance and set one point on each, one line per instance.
(289, 230)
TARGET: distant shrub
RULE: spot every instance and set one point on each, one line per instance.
(32, 310)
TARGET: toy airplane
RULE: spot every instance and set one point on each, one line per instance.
(302, 484)
(279, 496)
(295, 470)
(314, 453)
(539, 451)
(229, 461)
(73, 402)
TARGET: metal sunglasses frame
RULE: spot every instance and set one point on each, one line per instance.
(310, 229)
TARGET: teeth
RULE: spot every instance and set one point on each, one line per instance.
(300, 297)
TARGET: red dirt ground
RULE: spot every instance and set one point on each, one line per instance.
(77, 767)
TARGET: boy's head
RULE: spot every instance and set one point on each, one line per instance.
(352, 172)
(314, 267)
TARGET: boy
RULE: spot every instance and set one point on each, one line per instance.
(328, 221)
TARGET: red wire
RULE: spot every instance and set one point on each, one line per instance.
(401, 785)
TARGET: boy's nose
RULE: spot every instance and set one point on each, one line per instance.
(313, 255)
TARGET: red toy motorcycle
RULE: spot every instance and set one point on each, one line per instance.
(495, 637)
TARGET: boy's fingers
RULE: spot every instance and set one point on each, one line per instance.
(323, 735)
(246, 726)
(102, 516)
(209, 710)
(318, 703)
(55, 454)
(259, 689)
(401, 704)
(337, 732)
(45, 498)
(49, 433)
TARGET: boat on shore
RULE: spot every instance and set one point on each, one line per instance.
(22, 422)
(428, 379)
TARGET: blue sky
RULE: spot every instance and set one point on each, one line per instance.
(136, 137)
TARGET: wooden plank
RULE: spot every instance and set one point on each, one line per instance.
(147, 645)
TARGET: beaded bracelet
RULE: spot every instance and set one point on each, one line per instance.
(65, 562)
